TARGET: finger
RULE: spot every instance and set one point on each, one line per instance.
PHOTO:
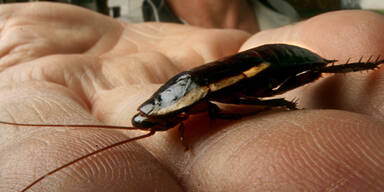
(338, 35)
(29, 153)
(70, 30)
(163, 50)
(302, 150)
(34, 30)
(185, 46)
(296, 151)
(88, 73)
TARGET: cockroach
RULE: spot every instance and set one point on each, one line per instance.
(243, 78)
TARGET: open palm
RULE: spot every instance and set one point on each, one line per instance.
(63, 64)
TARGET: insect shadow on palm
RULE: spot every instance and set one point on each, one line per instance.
(243, 78)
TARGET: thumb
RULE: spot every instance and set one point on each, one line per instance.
(304, 150)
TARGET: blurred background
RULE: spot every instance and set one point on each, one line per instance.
(269, 13)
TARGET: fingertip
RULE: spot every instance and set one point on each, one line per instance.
(306, 150)
(334, 35)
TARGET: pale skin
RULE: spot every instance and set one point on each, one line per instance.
(62, 64)
(234, 14)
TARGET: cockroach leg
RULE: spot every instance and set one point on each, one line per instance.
(182, 138)
(214, 112)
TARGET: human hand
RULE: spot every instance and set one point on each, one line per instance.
(101, 70)
(63, 64)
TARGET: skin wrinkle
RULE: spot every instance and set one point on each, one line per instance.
(287, 173)
(122, 109)
(5, 52)
(300, 126)
(131, 42)
(313, 166)
(289, 157)
(314, 162)
(92, 74)
(91, 46)
(295, 172)
(78, 78)
(40, 43)
(375, 159)
(190, 165)
(153, 33)
(76, 172)
(91, 164)
(9, 59)
(4, 19)
(360, 150)
(148, 76)
(160, 73)
(177, 38)
(351, 147)
(108, 72)
(104, 166)
(22, 136)
(134, 159)
(366, 177)
(338, 184)
(96, 167)
(128, 40)
(69, 79)
(39, 73)
(16, 131)
(84, 81)
(282, 171)
(248, 140)
(326, 143)
(111, 160)
(250, 173)
(38, 112)
(31, 154)
(159, 33)
(349, 168)
(323, 166)
(199, 53)
(371, 143)
(329, 143)
(243, 145)
(96, 41)
(140, 36)
(125, 170)
(338, 145)
(64, 108)
(330, 157)
(48, 102)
